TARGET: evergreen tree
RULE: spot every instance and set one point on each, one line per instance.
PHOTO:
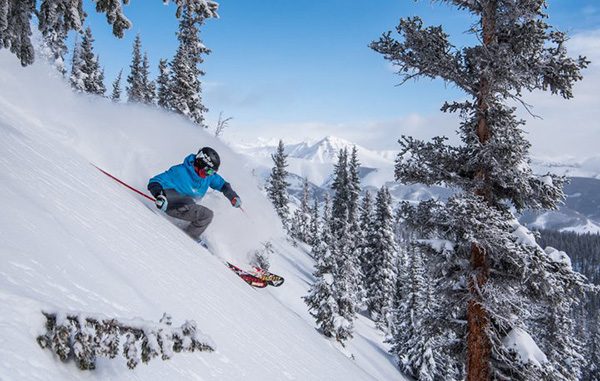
(163, 90)
(116, 88)
(55, 19)
(313, 228)
(300, 221)
(148, 85)
(353, 189)
(277, 184)
(77, 77)
(15, 28)
(320, 299)
(417, 353)
(364, 246)
(341, 192)
(135, 80)
(517, 51)
(92, 75)
(346, 278)
(15, 16)
(185, 83)
(381, 275)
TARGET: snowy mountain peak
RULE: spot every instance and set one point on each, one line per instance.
(324, 151)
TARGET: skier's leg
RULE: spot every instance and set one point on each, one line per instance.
(199, 216)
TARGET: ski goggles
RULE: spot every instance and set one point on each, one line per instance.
(209, 171)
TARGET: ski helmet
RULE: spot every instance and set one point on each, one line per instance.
(208, 158)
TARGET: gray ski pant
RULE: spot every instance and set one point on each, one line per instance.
(184, 208)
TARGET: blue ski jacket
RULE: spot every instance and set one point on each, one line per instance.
(184, 180)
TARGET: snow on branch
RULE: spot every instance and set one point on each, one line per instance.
(84, 337)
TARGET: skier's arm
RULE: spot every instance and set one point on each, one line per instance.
(218, 183)
(155, 188)
(228, 191)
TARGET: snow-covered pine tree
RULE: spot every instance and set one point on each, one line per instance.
(114, 15)
(592, 371)
(77, 76)
(93, 77)
(148, 85)
(185, 86)
(363, 245)
(502, 277)
(163, 90)
(341, 192)
(15, 16)
(381, 275)
(346, 277)
(301, 218)
(277, 184)
(55, 19)
(353, 188)
(15, 28)
(313, 227)
(115, 96)
(320, 298)
(416, 352)
(135, 82)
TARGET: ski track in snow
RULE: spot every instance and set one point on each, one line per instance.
(73, 240)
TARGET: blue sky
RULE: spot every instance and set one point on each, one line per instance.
(295, 69)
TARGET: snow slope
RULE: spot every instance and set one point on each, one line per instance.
(71, 239)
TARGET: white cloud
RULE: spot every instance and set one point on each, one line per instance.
(570, 127)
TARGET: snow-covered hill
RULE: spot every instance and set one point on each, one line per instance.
(71, 239)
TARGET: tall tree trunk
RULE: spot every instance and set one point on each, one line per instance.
(479, 348)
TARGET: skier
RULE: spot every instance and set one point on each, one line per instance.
(177, 189)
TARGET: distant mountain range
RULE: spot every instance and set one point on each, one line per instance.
(314, 160)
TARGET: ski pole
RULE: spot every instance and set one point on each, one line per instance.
(124, 184)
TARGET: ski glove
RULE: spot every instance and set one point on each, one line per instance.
(236, 202)
(161, 202)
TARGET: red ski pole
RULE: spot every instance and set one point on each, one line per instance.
(125, 184)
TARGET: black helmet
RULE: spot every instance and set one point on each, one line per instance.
(208, 158)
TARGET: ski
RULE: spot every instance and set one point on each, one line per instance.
(272, 279)
(252, 280)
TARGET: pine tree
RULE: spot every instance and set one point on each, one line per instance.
(346, 278)
(148, 85)
(300, 221)
(15, 16)
(92, 75)
(135, 79)
(163, 90)
(381, 275)
(313, 228)
(185, 82)
(363, 245)
(114, 15)
(55, 19)
(353, 189)
(15, 28)
(320, 298)
(277, 184)
(77, 77)
(416, 352)
(517, 51)
(341, 192)
(116, 88)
